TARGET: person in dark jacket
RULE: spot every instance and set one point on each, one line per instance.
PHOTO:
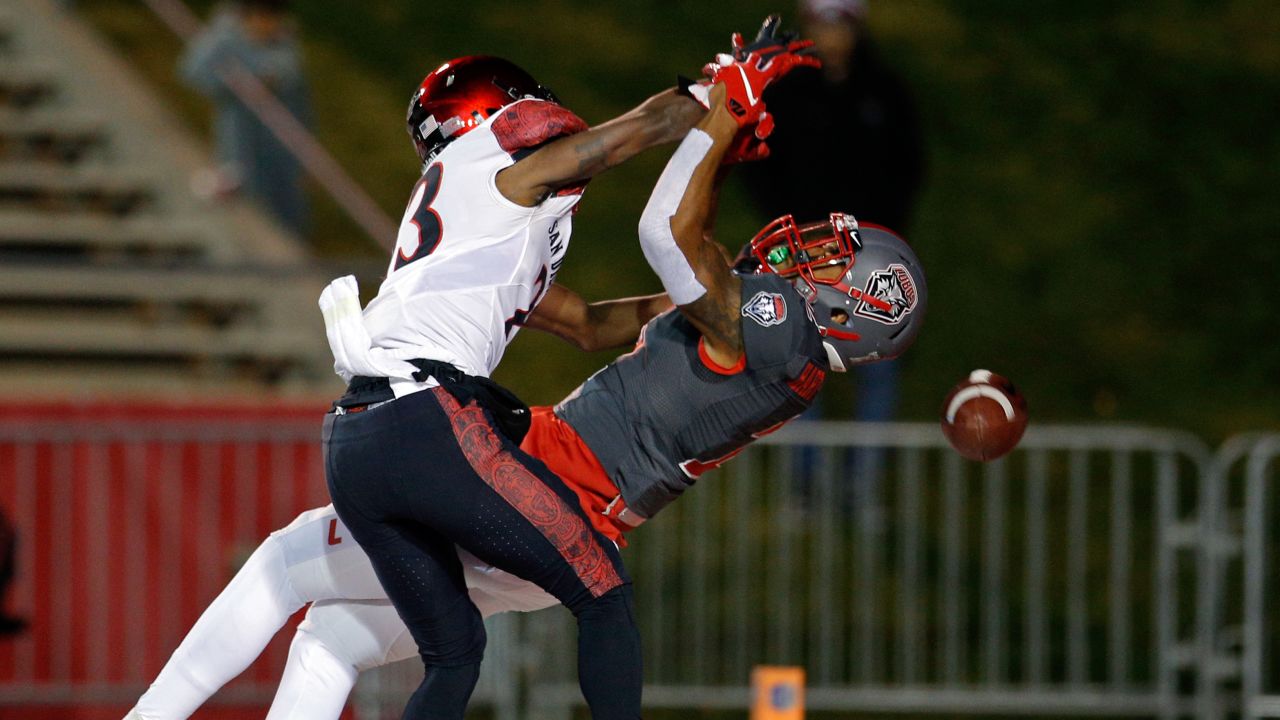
(850, 129)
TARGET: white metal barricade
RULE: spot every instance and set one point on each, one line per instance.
(1096, 571)
(1236, 615)
(906, 579)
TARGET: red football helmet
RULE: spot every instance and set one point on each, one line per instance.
(461, 94)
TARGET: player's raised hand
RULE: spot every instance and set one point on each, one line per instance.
(745, 72)
(751, 68)
(744, 143)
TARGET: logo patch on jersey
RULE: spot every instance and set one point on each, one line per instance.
(766, 308)
(894, 286)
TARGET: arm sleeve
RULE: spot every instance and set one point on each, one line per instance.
(656, 239)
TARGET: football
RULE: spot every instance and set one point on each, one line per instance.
(983, 417)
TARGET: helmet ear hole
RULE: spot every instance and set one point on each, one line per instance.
(883, 285)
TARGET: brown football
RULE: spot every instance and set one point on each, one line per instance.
(984, 416)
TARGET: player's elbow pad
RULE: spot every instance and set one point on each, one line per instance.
(656, 239)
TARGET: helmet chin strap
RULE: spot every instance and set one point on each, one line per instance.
(833, 357)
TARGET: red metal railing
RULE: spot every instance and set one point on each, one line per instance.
(130, 520)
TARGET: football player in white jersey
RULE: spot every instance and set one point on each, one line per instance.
(489, 221)
(422, 453)
(314, 559)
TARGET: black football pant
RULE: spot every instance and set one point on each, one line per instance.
(413, 478)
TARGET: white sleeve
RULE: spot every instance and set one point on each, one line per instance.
(656, 239)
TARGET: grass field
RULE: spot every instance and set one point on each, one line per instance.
(1101, 218)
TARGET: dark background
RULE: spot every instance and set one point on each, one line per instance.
(1101, 216)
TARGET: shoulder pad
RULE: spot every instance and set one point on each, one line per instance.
(530, 123)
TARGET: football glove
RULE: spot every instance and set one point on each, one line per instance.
(768, 41)
(749, 145)
(749, 69)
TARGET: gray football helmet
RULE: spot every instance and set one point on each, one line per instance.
(872, 310)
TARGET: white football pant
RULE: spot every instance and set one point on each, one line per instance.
(350, 627)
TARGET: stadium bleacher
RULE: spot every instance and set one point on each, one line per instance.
(114, 275)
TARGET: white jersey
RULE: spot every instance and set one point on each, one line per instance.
(470, 264)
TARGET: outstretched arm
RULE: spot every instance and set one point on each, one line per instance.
(675, 228)
(594, 326)
(662, 119)
(674, 232)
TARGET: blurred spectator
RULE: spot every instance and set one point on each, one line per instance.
(848, 135)
(261, 36)
(847, 139)
(9, 625)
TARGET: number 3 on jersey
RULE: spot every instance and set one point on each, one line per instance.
(425, 221)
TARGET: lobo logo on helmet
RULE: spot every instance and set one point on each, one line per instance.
(894, 286)
(766, 308)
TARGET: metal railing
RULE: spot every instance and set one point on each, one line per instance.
(905, 579)
(130, 522)
(1096, 571)
(1244, 506)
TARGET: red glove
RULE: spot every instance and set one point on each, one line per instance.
(767, 42)
(752, 68)
(748, 145)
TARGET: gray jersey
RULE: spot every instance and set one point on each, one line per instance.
(663, 414)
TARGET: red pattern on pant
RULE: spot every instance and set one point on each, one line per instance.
(524, 491)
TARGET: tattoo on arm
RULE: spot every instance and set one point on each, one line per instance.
(590, 153)
(717, 311)
(679, 116)
(719, 318)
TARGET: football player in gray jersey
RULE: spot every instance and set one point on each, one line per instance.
(746, 349)
(750, 345)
